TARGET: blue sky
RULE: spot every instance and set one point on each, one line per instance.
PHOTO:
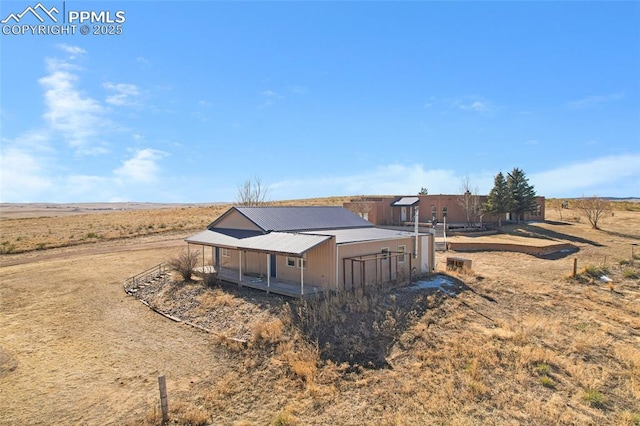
(320, 99)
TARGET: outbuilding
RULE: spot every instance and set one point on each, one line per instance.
(306, 250)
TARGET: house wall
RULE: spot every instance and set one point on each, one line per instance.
(321, 263)
(385, 214)
(375, 269)
(235, 220)
(377, 209)
(320, 270)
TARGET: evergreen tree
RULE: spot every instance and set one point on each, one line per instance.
(522, 196)
(498, 199)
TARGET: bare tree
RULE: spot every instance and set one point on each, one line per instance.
(252, 193)
(470, 202)
(557, 204)
(594, 208)
(361, 208)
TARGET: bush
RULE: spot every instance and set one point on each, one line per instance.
(184, 264)
(593, 397)
(631, 273)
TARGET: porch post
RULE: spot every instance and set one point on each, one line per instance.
(268, 271)
(338, 266)
(239, 268)
(302, 276)
(203, 270)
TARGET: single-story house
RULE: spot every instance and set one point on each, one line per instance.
(439, 208)
(304, 250)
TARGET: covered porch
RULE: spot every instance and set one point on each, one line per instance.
(251, 261)
(267, 284)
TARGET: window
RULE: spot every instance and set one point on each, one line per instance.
(296, 262)
(444, 211)
(402, 249)
(434, 212)
(302, 263)
(385, 253)
(225, 252)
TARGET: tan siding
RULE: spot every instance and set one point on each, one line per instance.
(374, 270)
(235, 220)
(320, 266)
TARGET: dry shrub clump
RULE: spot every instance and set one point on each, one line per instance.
(302, 359)
(268, 332)
(184, 264)
(187, 414)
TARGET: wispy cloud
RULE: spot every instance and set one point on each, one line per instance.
(594, 101)
(473, 105)
(78, 117)
(269, 97)
(615, 175)
(73, 51)
(122, 94)
(464, 103)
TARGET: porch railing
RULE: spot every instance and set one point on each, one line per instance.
(160, 271)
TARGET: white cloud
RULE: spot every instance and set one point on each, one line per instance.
(123, 94)
(616, 176)
(22, 176)
(78, 117)
(593, 101)
(142, 167)
(73, 51)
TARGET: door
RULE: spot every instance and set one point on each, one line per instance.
(273, 266)
(403, 214)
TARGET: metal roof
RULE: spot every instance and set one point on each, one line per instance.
(406, 201)
(306, 218)
(274, 242)
(344, 236)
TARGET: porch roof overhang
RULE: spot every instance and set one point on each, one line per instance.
(292, 244)
(406, 202)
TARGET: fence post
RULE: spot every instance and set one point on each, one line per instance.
(164, 404)
(575, 267)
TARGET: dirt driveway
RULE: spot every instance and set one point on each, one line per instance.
(68, 329)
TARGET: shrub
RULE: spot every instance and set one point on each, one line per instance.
(547, 382)
(595, 271)
(593, 397)
(631, 273)
(184, 264)
(6, 247)
(284, 418)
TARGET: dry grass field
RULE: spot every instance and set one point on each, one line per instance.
(518, 342)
